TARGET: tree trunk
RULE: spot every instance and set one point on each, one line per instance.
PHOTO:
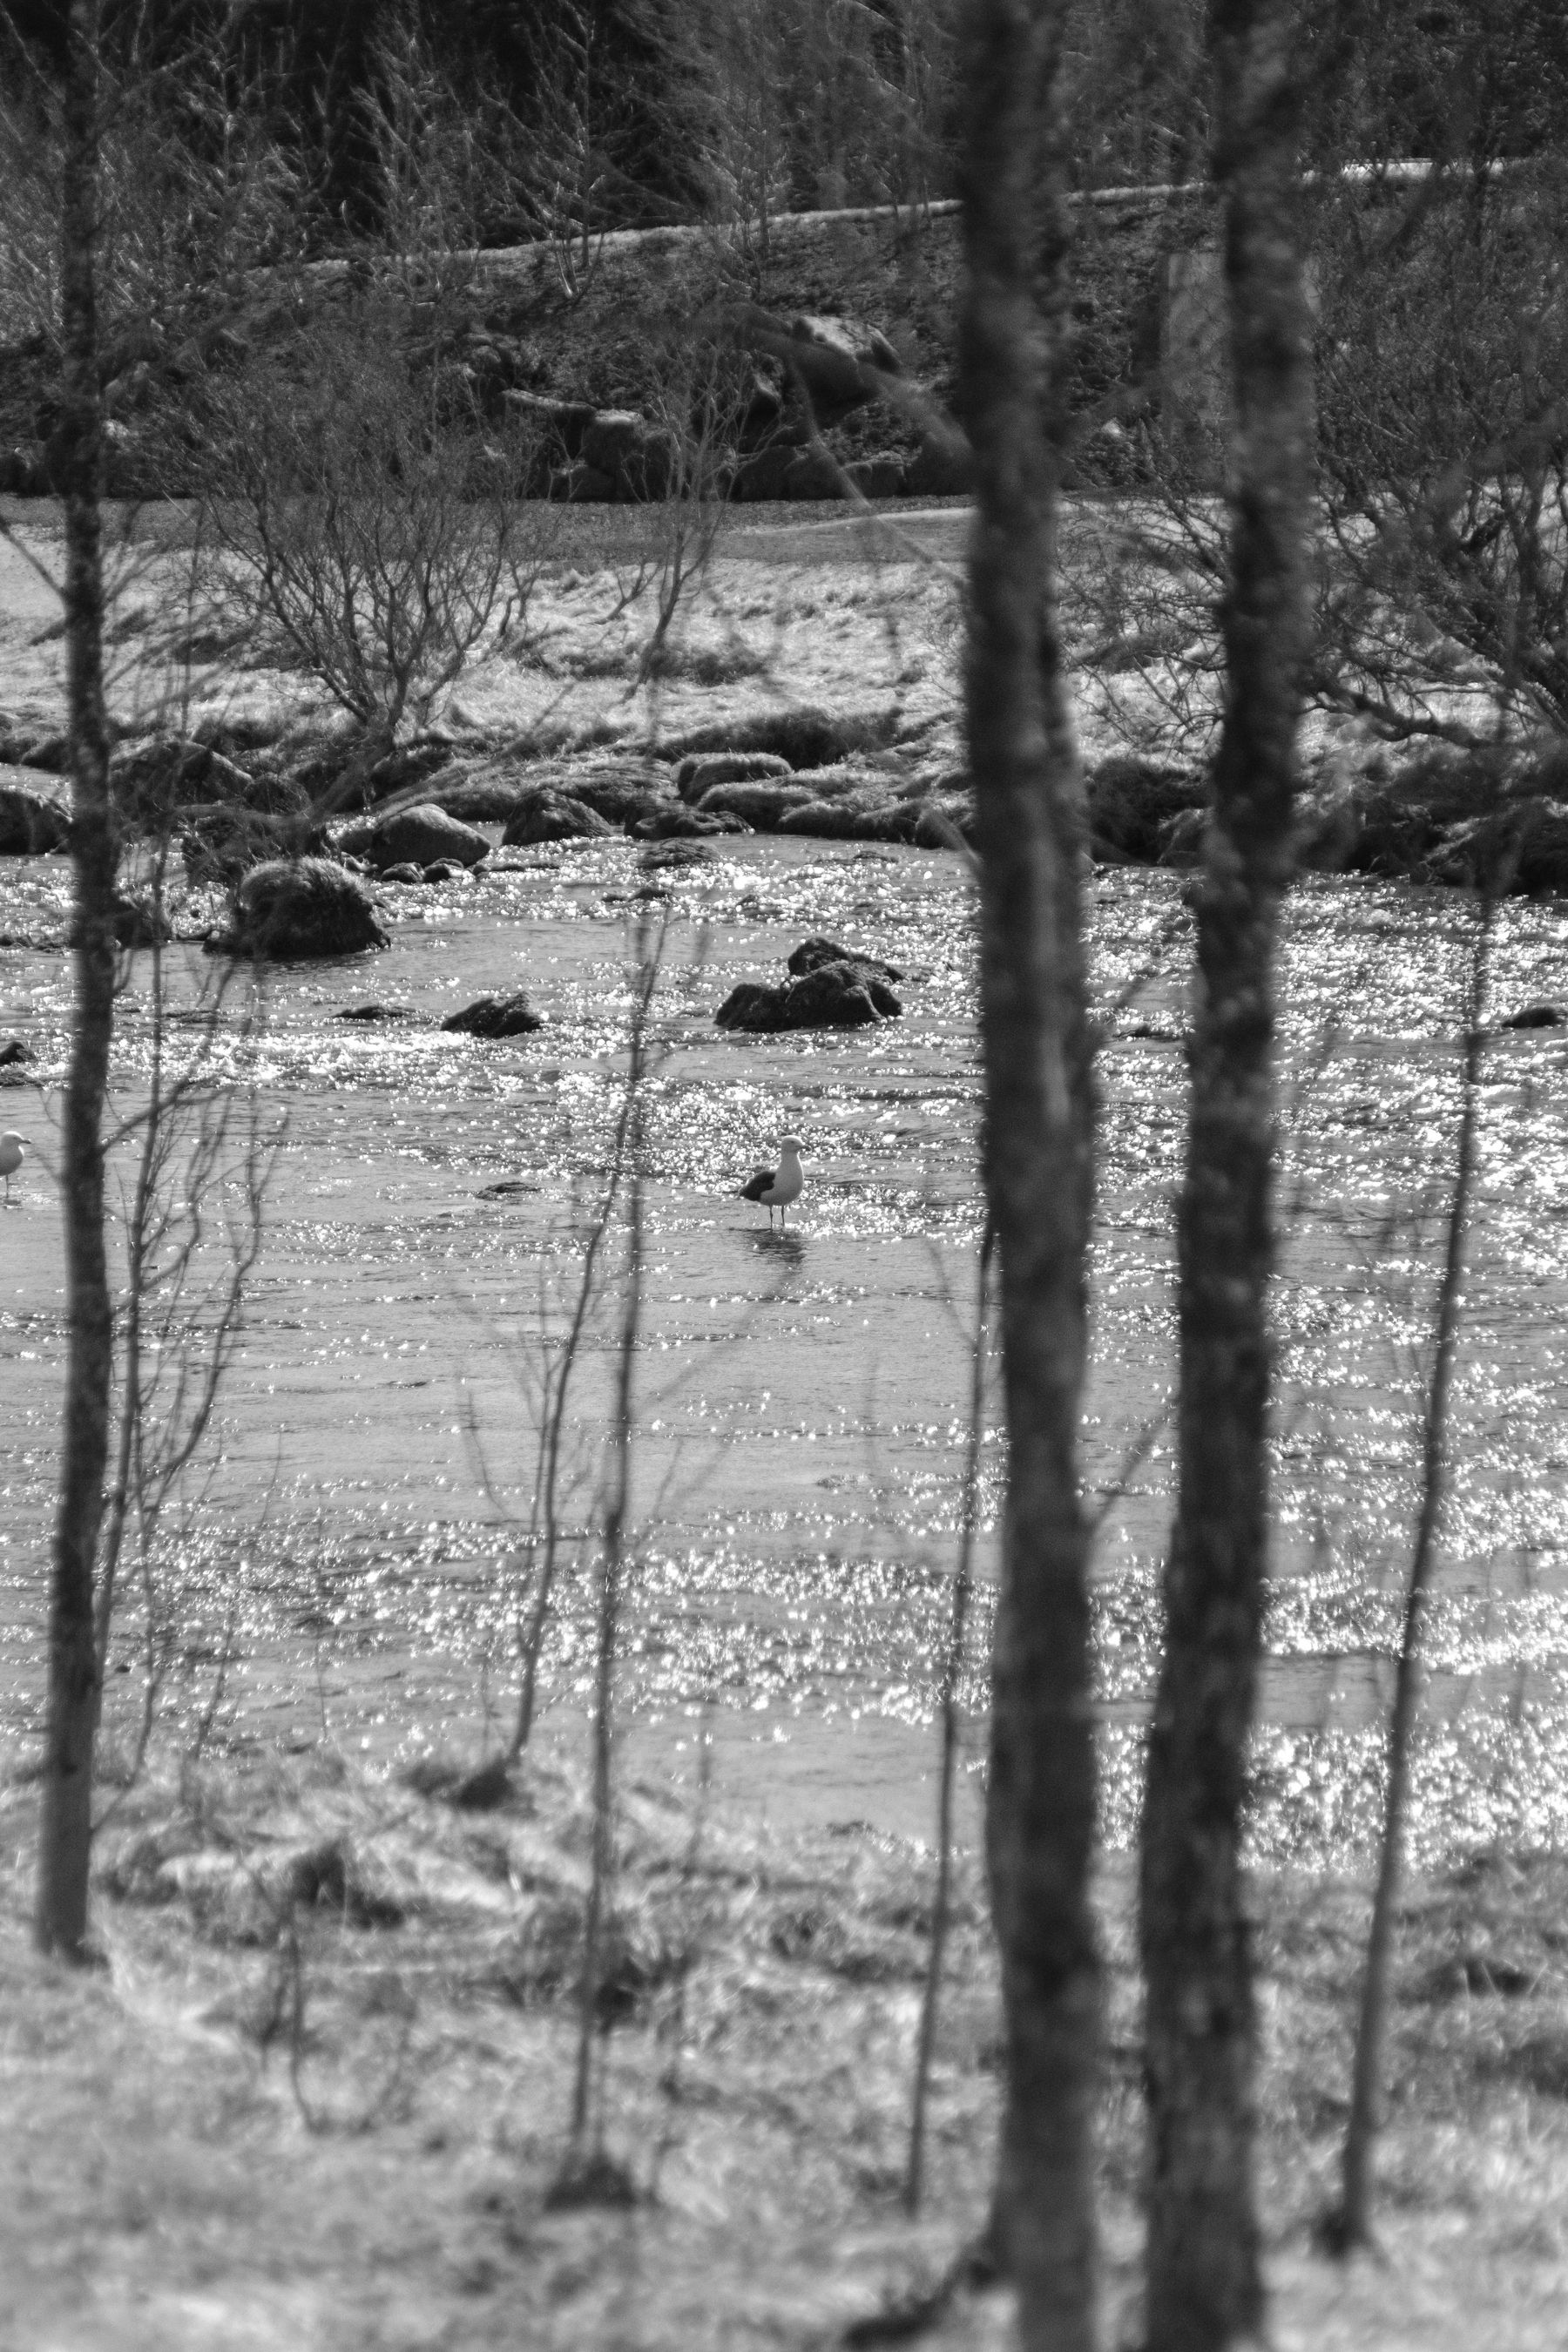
(1203, 2279)
(1039, 1139)
(1351, 2226)
(73, 1669)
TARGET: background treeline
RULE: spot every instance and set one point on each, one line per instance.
(647, 111)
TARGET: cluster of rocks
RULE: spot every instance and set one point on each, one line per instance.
(809, 772)
(809, 373)
(268, 823)
(799, 378)
(830, 987)
(1430, 814)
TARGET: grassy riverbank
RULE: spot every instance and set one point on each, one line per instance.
(320, 2093)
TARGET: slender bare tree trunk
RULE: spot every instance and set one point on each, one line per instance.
(61, 1918)
(1352, 2225)
(1039, 1143)
(1203, 2279)
(949, 1716)
(631, 1160)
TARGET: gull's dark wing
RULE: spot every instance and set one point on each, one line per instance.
(760, 1180)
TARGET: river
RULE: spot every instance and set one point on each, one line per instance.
(347, 1550)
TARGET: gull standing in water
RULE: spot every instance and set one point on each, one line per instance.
(776, 1187)
(13, 1151)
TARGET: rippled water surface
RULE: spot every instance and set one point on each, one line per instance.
(801, 1397)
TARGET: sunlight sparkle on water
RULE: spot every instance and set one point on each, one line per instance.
(802, 1398)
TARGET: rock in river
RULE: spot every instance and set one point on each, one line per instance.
(421, 836)
(847, 994)
(495, 1017)
(31, 819)
(678, 823)
(760, 804)
(812, 954)
(551, 816)
(700, 771)
(291, 909)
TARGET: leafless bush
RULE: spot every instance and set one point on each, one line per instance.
(362, 516)
(698, 408)
(1443, 352)
(1441, 540)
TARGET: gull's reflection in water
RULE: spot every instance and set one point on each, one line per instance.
(783, 1253)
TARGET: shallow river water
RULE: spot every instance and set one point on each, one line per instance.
(801, 1397)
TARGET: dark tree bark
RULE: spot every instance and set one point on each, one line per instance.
(1039, 1145)
(73, 1688)
(1204, 2283)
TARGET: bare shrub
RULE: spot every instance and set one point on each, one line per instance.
(1443, 352)
(699, 407)
(363, 516)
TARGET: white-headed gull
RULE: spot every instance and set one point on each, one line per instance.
(14, 1150)
(776, 1187)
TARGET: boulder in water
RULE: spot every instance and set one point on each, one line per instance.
(760, 804)
(944, 824)
(168, 772)
(495, 1017)
(877, 815)
(420, 837)
(1132, 803)
(675, 821)
(831, 996)
(294, 909)
(553, 816)
(813, 953)
(701, 770)
(32, 818)
(672, 856)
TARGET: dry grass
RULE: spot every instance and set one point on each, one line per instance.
(190, 2160)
